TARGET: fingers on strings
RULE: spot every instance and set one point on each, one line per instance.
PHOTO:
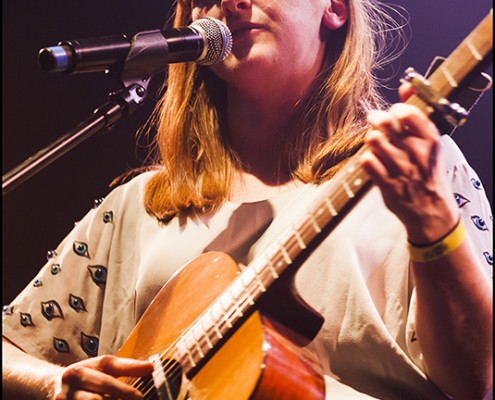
(404, 144)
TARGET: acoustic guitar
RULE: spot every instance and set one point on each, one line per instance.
(218, 343)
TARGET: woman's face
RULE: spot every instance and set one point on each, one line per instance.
(281, 38)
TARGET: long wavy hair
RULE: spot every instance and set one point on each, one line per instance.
(194, 160)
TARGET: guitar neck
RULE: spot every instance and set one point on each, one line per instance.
(335, 201)
(466, 58)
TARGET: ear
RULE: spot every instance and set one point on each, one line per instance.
(335, 14)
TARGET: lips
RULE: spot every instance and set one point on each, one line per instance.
(241, 28)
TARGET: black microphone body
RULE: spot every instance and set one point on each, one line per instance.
(206, 41)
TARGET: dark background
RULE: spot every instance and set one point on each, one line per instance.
(39, 107)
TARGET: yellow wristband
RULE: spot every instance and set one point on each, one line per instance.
(441, 247)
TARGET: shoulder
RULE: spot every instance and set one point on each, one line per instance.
(461, 173)
(132, 191)
(453, 154)
(472, 200)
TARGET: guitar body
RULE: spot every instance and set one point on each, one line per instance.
(259, 360)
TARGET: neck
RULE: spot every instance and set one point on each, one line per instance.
(256, 126)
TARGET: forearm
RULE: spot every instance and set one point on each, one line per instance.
(26, 377)
(454, 323)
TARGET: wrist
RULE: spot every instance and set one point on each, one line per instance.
(446, 244)
(423, 230)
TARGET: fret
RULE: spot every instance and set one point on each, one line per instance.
(225, 302)
(473, 50)
(448, 76)
(184, 349)
(271, 267)
(314, 224)
(158, 374)
(464, 58)
(229, 319)
(197, 336)
(347, 189)
(249, 276)
(246, 302)
(264, 272)
(299, 239)
(259, 282)
(285, 254)
(238, 309)
(199, 349)
(258, 266)
(159, 378)
(249, 298)
(216, 308)
(194, 344)
(206, 332)
(330, 207)
(236, 291)
(215, 324)
(225, 308)
(206, 325)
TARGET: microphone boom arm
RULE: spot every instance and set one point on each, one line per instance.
(135, 76)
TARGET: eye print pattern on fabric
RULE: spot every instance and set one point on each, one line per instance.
(488, 257)
(26, 320)
(89, 344)
(81, 249)
(51, 254)
(61, 345)
(107, 217)
(76, 303)
(56, 269)
(479, 222)
(8, 310)
(98, 274)
(51, 309)
(461, 200)
(476, 183)
(97, 202)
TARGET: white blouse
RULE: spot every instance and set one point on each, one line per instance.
(102, 277)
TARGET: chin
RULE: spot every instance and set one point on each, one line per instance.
(253, 62)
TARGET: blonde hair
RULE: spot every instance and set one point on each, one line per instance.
(196, 162)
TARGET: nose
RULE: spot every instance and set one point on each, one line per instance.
(230, 7)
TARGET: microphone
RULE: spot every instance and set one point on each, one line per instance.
(206, 41)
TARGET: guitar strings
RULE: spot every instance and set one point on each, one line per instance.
(250, 292)
(223, 324)
(412, 100)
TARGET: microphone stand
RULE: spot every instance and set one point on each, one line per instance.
(137, 71)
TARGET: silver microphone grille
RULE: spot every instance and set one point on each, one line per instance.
(218, 40)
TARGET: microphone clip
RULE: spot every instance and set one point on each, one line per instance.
(147, 56)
